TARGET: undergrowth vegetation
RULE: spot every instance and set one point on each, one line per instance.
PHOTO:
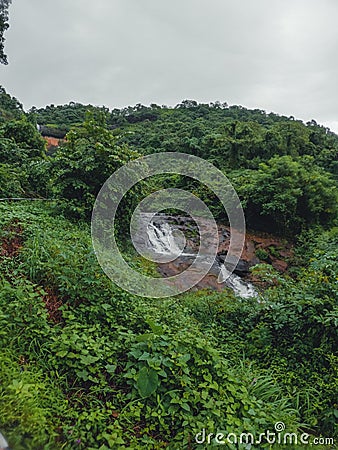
(107, 370)
(86, 365)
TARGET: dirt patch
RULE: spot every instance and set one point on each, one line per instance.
(10, 246)
(53, 304)
(267, 248)
(12, 240)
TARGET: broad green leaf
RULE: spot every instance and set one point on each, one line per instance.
(147, 381)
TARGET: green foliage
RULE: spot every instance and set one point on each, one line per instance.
(10, 153)
(25, 135)
(83, 163)
(4, 5)
(10, 107)
(140, 362)
(63, 118)
(285, 195)
(180, 375)
(262, 254)
(231, 137)
(29, 405)
(30, 401)
(292, 332)
(10, 183)
(281, 167)
(24, 168)
(30, 180)
(86, 365)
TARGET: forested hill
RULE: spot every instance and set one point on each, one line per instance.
(230, 136)
(284, 171)
(84, 364)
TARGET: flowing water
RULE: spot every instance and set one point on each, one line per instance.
(163, 240)
(240, 287)
(3, 443)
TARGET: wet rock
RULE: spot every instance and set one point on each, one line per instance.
(221, 256)
(224, 235)
(279, 265)
(242, 268)
(253, 261)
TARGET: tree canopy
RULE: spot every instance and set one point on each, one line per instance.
(283, 169)
(4, 5)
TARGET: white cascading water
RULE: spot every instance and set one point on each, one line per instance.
(3, 443)
(240, 287)
(162, 239)
(163, 242)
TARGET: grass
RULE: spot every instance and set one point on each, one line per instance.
(84, 365)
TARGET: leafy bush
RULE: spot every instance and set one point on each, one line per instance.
(129, 382)
(30, 405)
(10, 181)
(286, 195)
(25, 135)
(83, 163)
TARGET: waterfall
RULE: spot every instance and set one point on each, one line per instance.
(240, 287)
(3, 443)
(163, 242)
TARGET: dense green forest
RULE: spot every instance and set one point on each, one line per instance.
(84, 364)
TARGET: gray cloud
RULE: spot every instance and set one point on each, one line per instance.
(276, 55)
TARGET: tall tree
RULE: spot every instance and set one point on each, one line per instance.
(4, 5)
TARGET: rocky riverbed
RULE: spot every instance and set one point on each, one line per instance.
(165, 232)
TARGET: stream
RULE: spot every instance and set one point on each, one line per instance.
(166, 237)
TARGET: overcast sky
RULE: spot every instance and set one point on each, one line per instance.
(277, 55)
